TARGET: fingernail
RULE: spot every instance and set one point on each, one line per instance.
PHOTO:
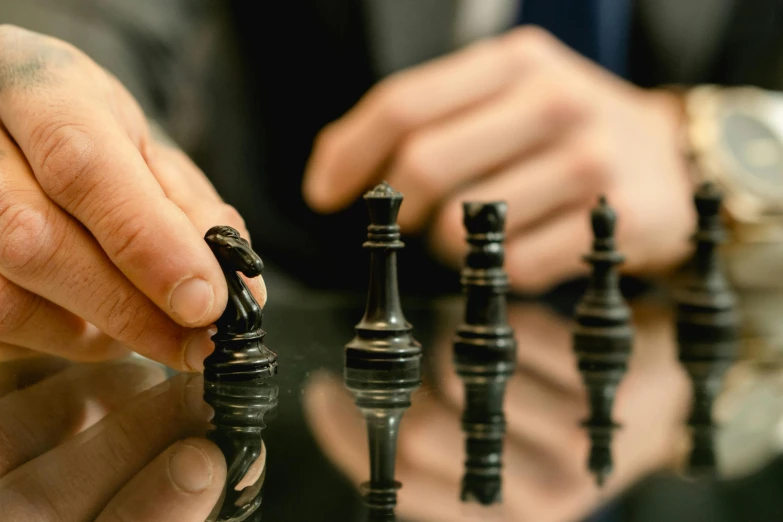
(198, 347)
(190, 469)
(192, 300)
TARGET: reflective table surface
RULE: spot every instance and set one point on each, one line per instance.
(72, 435)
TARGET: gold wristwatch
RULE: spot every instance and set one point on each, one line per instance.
(735, 138)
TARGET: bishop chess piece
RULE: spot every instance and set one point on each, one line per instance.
(236, 382)
(484, 351)
(382, 362)
(707, 327)
(603, 338)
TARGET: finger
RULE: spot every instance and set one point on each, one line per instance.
(187, 186)
(182, 484)
(439, 159)
(349, 153)
(18, 374)
(30, 321)
(86, 162)
(38, 418)
(550, 253)
(77, 479)
(9, 352)
(536, 189)
(49, 255)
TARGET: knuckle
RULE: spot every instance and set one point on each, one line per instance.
(24, 228)
(562, 105)
(18, 306)
(528, 43)
(395, 104)
(590, 168)
(127, 315)
(65, 153)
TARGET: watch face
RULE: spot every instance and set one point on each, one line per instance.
(757, 150)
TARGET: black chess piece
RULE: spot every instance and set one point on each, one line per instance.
(382, 362)
(484, 351)
(242, 410)
(707, 326)
(603, 337)
(236, 382)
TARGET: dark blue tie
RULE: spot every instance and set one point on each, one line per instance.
(597, 29)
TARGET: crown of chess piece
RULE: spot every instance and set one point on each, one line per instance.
(707, 327)
(235, 380)
(484, 351)
(382, 362)
(603, 338)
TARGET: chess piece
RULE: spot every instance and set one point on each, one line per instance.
(240, 354)
(235, 379)
(602, 339)
(484, 351)
(242, 410)
(382, 362)
(707, 326)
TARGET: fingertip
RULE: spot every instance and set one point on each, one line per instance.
(195, 465)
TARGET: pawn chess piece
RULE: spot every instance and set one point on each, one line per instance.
(484, 351)
(707, 327)
(602, 339)
(235, 380)
(382, 363)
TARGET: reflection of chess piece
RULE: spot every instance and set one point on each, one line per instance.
(484, 351)
(241, 410)
(707, 324)
(235, 382)
(602, 339)
(382, 361)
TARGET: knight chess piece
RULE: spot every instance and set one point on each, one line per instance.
(382, 362)
(484, 351)
(236, 383)
(707, 326)
(602, 338)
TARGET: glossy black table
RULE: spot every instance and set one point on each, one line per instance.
(315, 440)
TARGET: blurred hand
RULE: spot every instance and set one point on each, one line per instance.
(98, 443)
(520, 118)
(545, 452)
(101, 227)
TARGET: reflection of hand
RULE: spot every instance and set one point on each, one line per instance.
(124, 467)
(525, 119)
(545, 476)
(101, 226)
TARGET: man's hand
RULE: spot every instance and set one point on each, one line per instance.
(112, 442)
(101, 228)
(524, 119)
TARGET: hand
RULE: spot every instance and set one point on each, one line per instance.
(98, 443)
(524, 119)
(545, 451)
(101, 227)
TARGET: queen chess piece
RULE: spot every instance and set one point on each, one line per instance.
(236, 380)
(484, 351)
(603, 338)
(382, 362)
